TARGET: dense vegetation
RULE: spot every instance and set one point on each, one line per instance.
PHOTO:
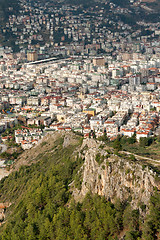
(7, 7)
(43, 207)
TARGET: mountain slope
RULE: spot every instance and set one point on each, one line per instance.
(41, 203)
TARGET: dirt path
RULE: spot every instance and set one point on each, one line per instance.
(141, 157)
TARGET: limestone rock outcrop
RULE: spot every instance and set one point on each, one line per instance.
(114, 177)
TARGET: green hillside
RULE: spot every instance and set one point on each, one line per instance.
(7, 7)
(42, 206)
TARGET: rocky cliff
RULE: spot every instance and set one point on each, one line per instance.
(113, 176)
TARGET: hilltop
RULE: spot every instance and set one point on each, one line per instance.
(72, 188)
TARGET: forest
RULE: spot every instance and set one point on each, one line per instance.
(42, 206)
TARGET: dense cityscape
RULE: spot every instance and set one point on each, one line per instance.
(116, 94)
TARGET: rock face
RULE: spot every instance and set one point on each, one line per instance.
(114, 177)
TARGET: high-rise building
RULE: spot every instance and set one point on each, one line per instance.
(32, 56)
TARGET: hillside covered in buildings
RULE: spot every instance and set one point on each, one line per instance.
(44, 25)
